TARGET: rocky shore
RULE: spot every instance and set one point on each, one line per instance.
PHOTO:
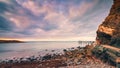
(78, 57)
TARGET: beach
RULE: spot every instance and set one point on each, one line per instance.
(74, 57)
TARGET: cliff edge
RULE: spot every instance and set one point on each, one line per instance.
(109, 31)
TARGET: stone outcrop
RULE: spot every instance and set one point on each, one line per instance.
(109, 31)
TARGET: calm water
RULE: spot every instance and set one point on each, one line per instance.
(10, 50)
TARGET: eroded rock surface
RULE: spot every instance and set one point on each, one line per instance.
(109, 31)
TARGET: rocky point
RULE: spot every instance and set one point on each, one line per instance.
(109, 31)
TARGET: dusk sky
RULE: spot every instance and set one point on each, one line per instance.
(52, 19)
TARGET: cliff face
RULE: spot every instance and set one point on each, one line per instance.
(109, 31)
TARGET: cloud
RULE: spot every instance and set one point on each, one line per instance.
(34, 7)
(64, 23)
(20, 22)
(81, 9)
(6, 1)
(4, 24)
(56, 18)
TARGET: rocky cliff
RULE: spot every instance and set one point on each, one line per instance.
(109, 31)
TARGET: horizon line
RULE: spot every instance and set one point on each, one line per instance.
(53, 39)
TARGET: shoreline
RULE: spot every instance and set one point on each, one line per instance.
(75, 56)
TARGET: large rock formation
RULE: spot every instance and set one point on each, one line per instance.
(109, 31)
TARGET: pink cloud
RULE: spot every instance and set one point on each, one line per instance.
(20, 22)
(6, 1)
(81, 9)
(35, 8)
(66, 27)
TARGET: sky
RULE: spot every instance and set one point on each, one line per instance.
(52, 19)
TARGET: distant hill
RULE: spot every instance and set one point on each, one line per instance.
(11, 41)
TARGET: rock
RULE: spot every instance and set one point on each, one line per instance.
(109, 31)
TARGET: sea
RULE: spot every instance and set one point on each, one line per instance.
(30, 48)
